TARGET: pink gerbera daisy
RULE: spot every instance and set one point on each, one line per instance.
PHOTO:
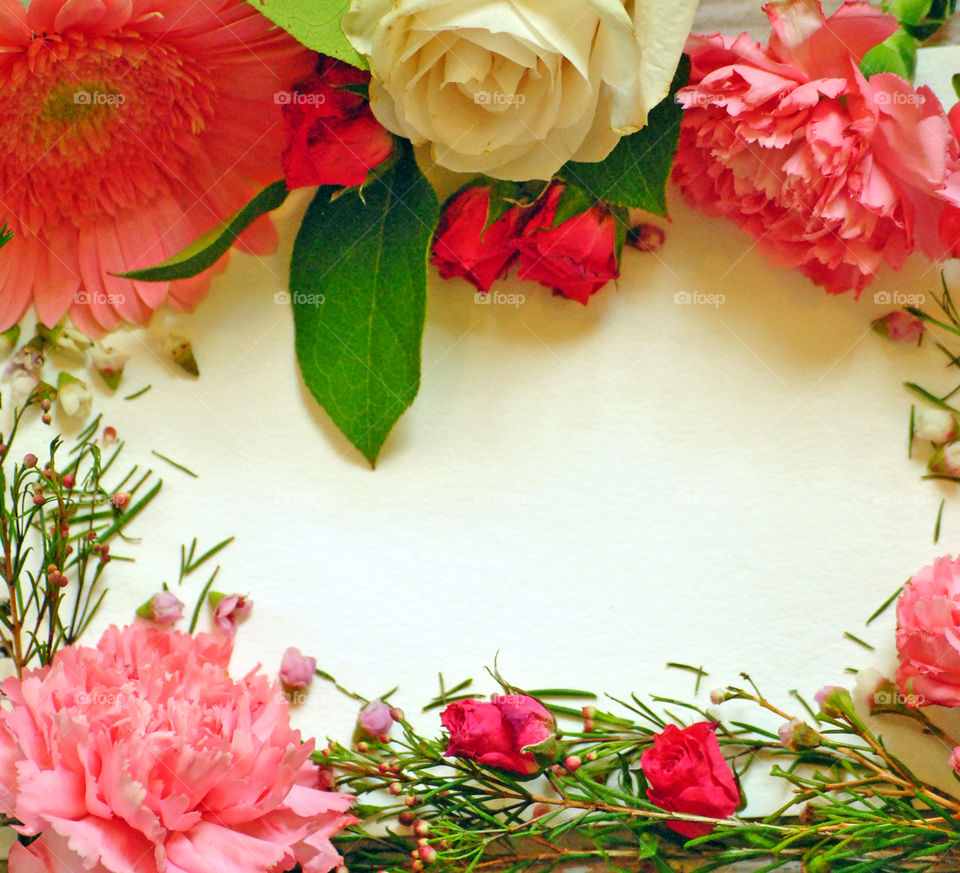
(130, 128)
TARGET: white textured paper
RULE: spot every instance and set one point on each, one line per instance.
(591, 492)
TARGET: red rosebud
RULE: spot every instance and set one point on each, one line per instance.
(332, 136)
(576, 258)
(461, 247)
(686, 772)
(497, 733)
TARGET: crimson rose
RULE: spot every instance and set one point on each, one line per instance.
(461, 247)
(500, 733)
(687, 773)
(576, 258)
(332, 136)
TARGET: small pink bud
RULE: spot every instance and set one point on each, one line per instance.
(900, 326)
(229, 610)
(46, 418)
(109, 435)
(296, 669)
(428, 854)
(30, 460)
(363, 748)
(798, 736)
(955, 759)
(717, 696)
(375, 718)
(591, 756)
(936, 425)
(69, 481)
(396, 713)
(573, 763)
(121, 500)
(421, 828)
(163, 608)
(395, 789)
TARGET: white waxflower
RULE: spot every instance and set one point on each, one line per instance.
(936, 425)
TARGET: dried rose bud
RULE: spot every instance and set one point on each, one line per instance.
(646, 237)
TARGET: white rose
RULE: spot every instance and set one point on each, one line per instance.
(516, 88)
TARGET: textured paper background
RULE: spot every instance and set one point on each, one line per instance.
(590, 492)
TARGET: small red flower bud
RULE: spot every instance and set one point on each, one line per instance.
(411, 800)
(46, 418)
(109, 435)
(591, 756)
(121, 499)
(396, 713)
(573, 763)
(406, 818)
(69, 480)
(30, 460)
(421, 828)
(395, 788)
(45, 404)
(428, 854)
(363, 748)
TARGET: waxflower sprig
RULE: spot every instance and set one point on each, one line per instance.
(505, 790)
(59, 516)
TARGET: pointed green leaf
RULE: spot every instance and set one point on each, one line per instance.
(636, 172)
(315, 23)
(206, 251)
(358, 285)
(574, 201)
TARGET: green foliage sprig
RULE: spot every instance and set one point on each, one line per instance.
(853, 806)
(58, 519)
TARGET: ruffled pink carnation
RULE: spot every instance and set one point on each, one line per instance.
(144, 756)
(831, 173)
(928, 635)
(129, 129)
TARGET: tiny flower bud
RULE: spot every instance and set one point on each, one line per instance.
(423, 841)
(46, 418)
(406, 818)
(296, 669)
(591, 756)
(121, 500)
(646, 237)
(396, 713)
(109, 364)
(834, 701)
(936, 425)
(798, 736)
(428, 854)
(954, 759)
(163, 608)
(717, 696)
(38, 499)
(395, 788)
(421, 828)
(109, 435)
(74, 395)
(375, 718)
(45, 404)
(363, 748)
(411, 800)
(900, 326)
(418, 864)
(573, 763)
(30, 460)
(946, 460)
(181, 353)
(69, 481)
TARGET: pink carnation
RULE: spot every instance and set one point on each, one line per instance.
(928, 635)
(143, 755)
(831, 173)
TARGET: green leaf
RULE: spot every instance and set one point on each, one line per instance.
(315, 23)
(359, 285)
(897, 54)
(213, 245)
(5, 234)
(574, 201)
(636, 172)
